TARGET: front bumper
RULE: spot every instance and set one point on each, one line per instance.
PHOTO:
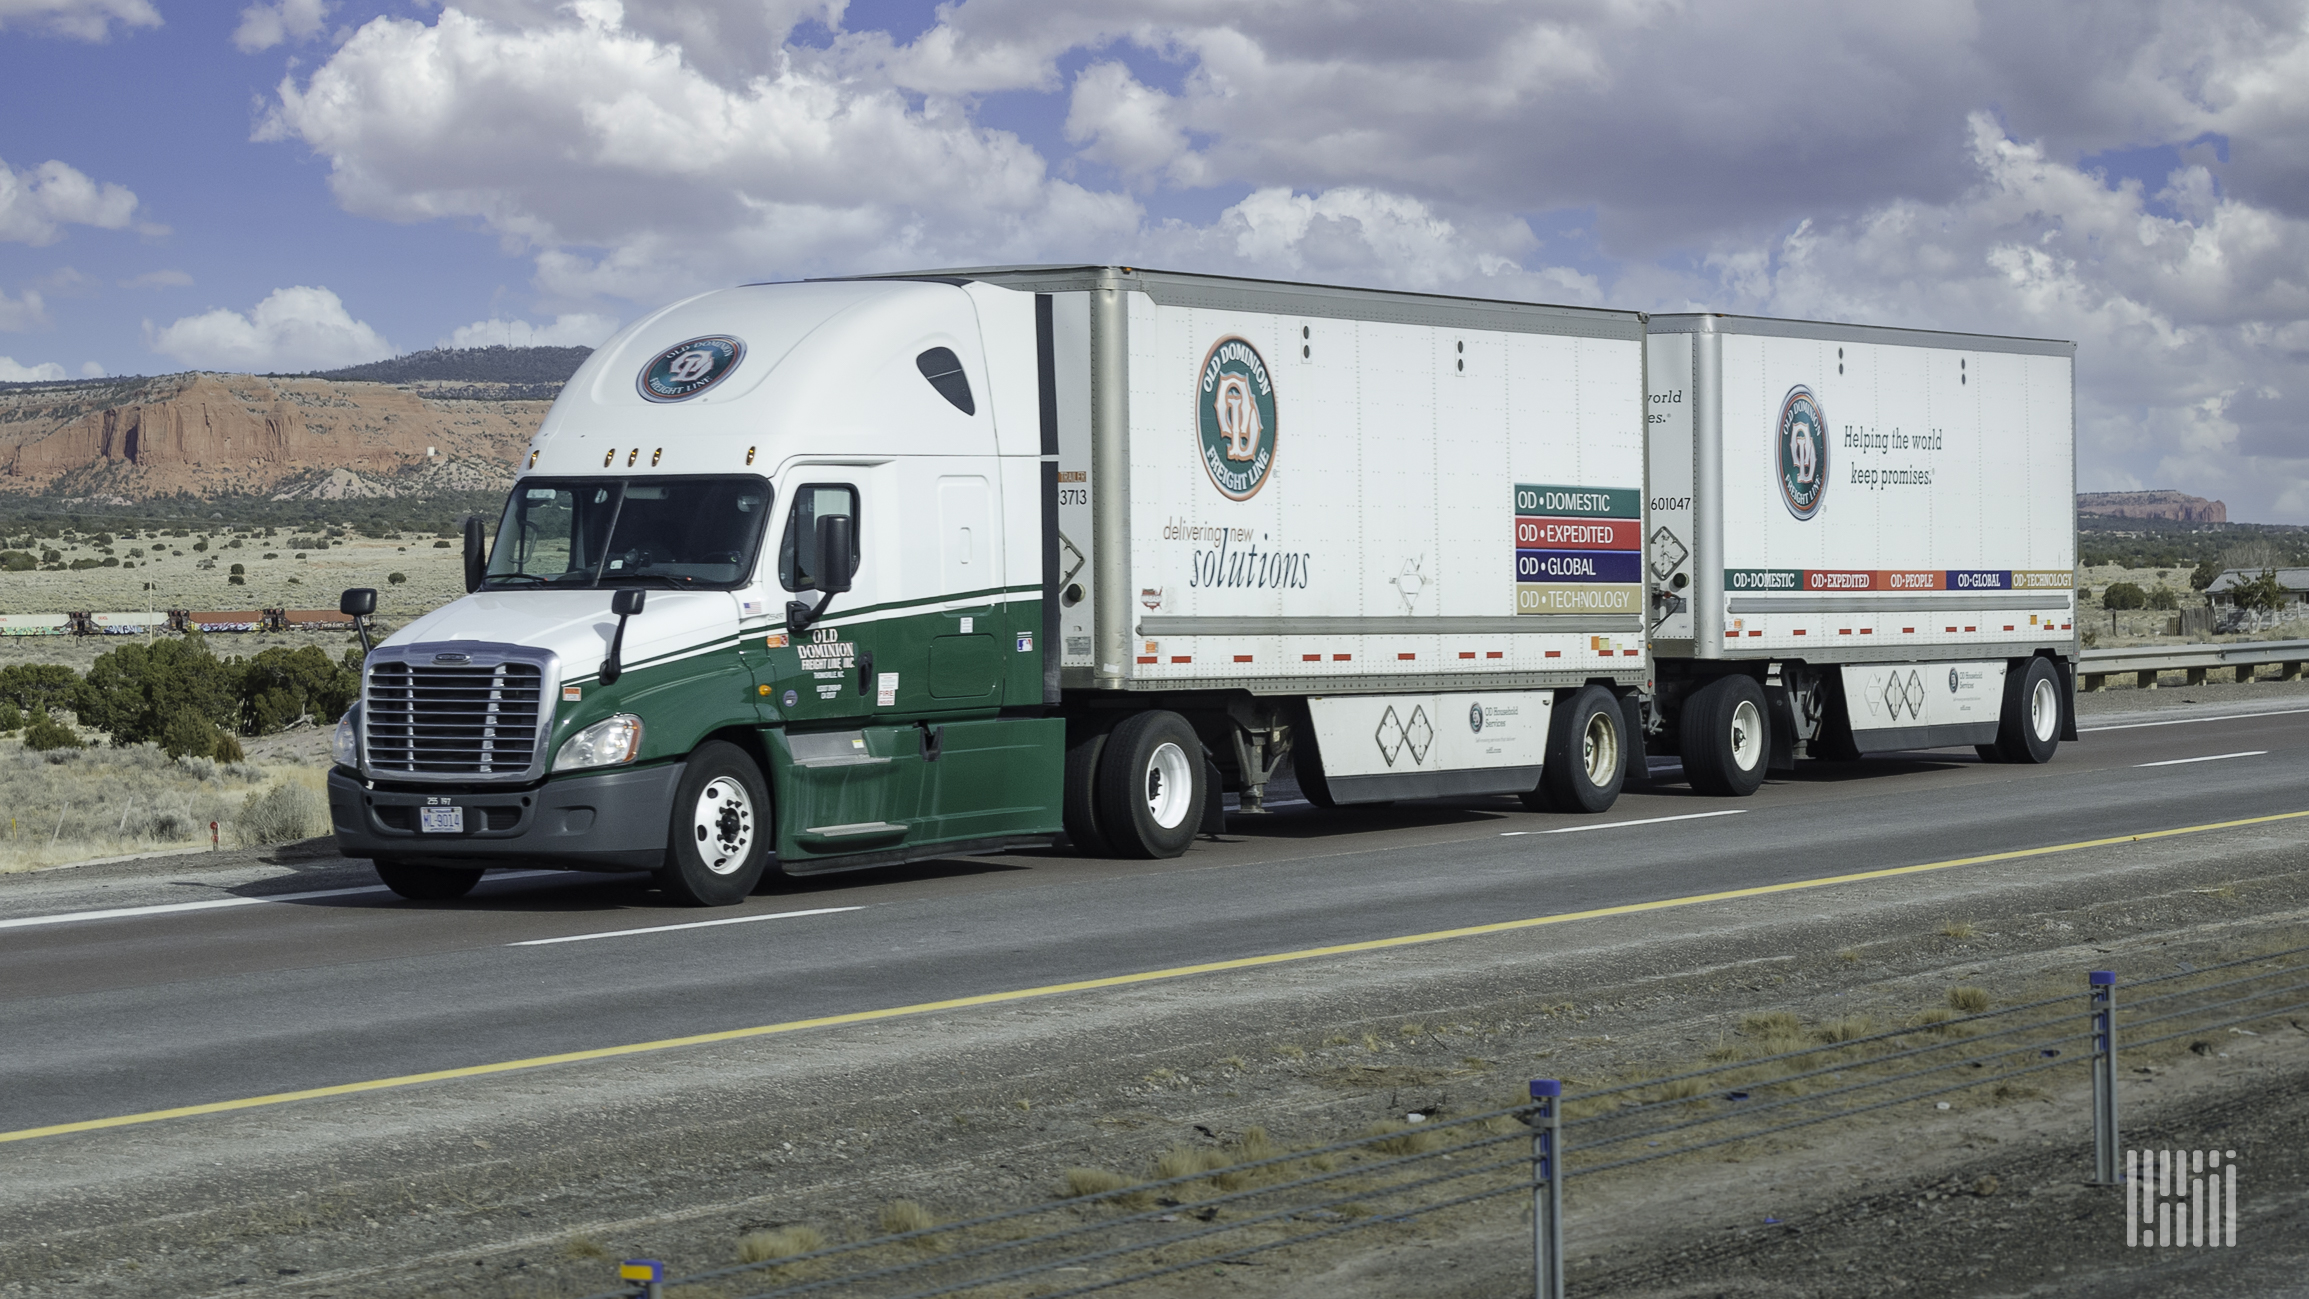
(614, 821)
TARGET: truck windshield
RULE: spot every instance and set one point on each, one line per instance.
(583, 532)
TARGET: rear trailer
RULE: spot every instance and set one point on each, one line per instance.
(1862, 540)
(843, 573)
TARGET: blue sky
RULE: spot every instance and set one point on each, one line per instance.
(290, 184)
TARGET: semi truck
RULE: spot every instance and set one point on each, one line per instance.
(1861, 540)
(825, 575)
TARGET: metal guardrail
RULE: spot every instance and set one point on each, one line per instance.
(1226, 1206)
(2147, 662)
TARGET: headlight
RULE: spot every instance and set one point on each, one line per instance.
(603, 744)
(345, 746)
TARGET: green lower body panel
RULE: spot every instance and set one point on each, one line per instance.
(879, 790)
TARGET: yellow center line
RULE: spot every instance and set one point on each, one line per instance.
(1111, 981)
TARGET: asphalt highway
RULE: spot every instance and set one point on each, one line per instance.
(142, 1003)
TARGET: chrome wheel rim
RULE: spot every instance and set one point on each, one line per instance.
(2044, 710)
(1599, 749)
(1170, 785)
(724, 825)
(1747, 735)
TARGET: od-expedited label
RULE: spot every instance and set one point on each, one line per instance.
(1825, 580)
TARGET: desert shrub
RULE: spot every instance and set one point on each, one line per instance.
(189, 734)
(138, 692)
(17, 561)
(280, 685)
(239, 569)
(2124, 595)
(236, 580)
(39, 685)
(44, 733)
(2165, 598)
(11, 717)
(282, 814)
(395, 579)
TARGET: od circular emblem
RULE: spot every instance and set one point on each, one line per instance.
(1803, 452)
(1235, 417)
(1475, 718)
(687, 369)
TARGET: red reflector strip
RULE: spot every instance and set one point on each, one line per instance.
(1406, 656)
(1310, 658)
(2008, 626)
(1341, 658)
(1843, 631)
(1799, 631)
(1867, 631)
(1467, 654)
(1555, 654)
(1909, 630)
(1952, 629)
(1730, 634)
(1182, 658)
(2064, 626)
(1494, 654)
(1148, 658)
(1242, 658)
(1971, 629)
(1755, 633)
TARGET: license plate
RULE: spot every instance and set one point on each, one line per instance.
(441, 820)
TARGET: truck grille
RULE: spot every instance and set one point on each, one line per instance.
(427, 719)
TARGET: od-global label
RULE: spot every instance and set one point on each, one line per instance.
(1578, 566)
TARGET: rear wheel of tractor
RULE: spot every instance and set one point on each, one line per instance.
(1727, 742)
(1078, 807)
(2028, 731)
(421, 883)
(719, 841)
(1151, 786)
(1585, 764)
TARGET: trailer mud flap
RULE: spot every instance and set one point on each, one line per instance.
(1380, 747)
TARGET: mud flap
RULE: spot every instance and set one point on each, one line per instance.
(1214, 799)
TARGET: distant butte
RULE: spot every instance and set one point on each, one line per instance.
(2165, 504)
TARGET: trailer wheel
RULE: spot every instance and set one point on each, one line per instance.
(1078, 801)
(1727, 737)
(720, 837)
(2028, 730)
(421, 883)
(1151, 786)
(1586, 759)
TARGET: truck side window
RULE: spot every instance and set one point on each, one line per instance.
(944, 371)
(798, 559)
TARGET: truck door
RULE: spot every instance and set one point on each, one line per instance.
(966, 661)
(828, 672)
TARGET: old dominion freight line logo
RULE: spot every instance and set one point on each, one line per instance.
(687, 369)
(1235, 415)
(1803, 452)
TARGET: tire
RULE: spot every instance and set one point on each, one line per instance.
(1078, 806)
(426, 883)
(2028, 729)
(1151, 786)
(1726, 737)
(719, 839)
(1586, 760)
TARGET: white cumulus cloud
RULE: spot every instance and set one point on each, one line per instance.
(265, 25)
(87, 20)
(36, 205)
(18, 315)
(293, 329)
(571, 329)
(45, 372)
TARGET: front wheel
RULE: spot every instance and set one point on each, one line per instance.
(1151, 786)
(2028, 730)
(719, 840)
(1586, 759)
(421, 883)
(1727, 740)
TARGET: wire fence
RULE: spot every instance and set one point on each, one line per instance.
(1223, 1206)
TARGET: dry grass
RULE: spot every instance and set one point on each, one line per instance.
(585, 1247)
(1844, 1029)
(1291, 1051)
(1956, 929)
(78, 804)
(1399, 1138)
(1970, 1001)
(779, 1242)
(901, 1216)
(1075, 1183)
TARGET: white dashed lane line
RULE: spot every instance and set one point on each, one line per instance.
(2210, 757)
(694, 924)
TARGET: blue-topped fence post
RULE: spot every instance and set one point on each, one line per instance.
(2103, 988)
(1547, 1188)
